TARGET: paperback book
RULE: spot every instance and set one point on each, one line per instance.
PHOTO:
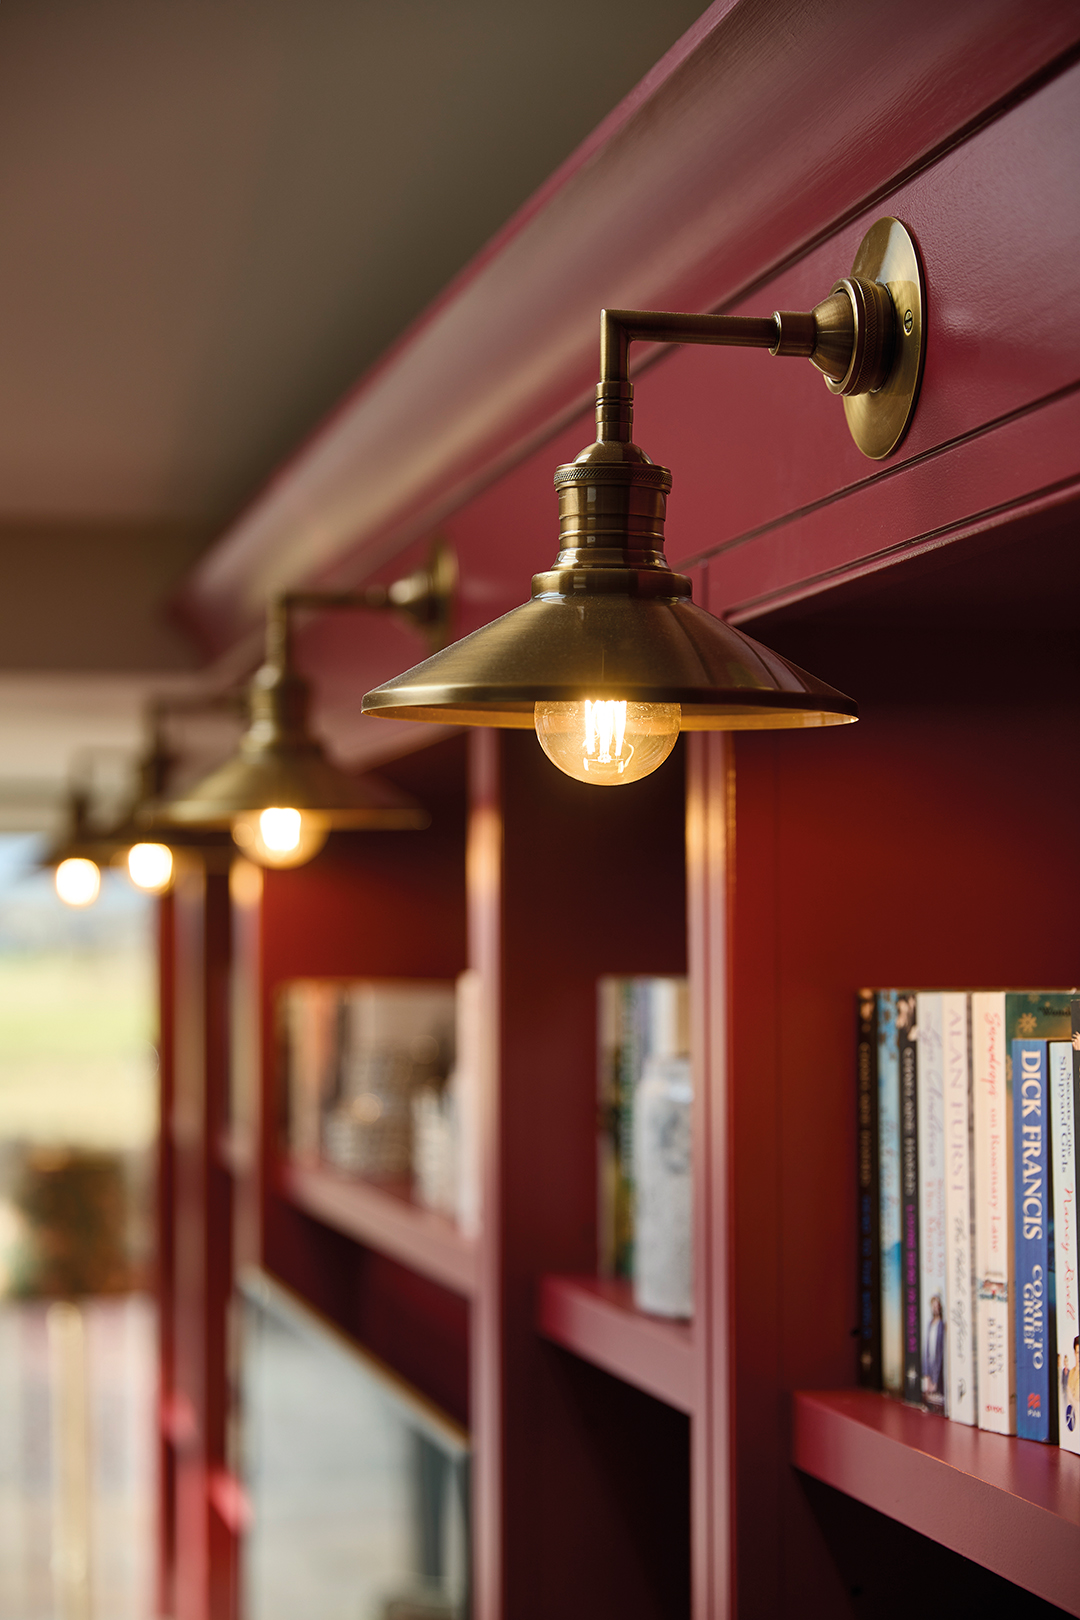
(643, 1144)
(869, 1213)
(907, 1036)
(1064, 1063)
(959, 1304)
(892, 1333)
(930, 1105)
(1034, 1386)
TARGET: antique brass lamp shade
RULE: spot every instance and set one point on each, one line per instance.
(280, 793)
(610, 658)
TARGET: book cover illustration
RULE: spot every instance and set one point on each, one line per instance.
(869, 1211)
(959, 1303)
(930, 1105)
(892, 1336)
(1031, 1240)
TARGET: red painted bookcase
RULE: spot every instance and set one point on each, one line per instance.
(625, 1466)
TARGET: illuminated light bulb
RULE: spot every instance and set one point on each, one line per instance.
(280, 830)
(279, 836)
(606, 743)
(150, 867)
(78, 882)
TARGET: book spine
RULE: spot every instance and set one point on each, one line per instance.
(607, 1121)
(663, 1240)
(1064, 1096)
(892, 1336)
(1032, 1248)
(869, 1212)
(960, 1320)
(907, 1055)
(993, 1323)
(930, 1099)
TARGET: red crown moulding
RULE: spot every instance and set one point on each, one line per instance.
(694, 189)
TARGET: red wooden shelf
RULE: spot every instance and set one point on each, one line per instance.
(386, 1219)
(1012, 1505)
(597, 1320)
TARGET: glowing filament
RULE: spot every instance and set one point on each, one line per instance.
(605, 722)
(280, 829)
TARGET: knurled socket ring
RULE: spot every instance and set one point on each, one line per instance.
(874, 337)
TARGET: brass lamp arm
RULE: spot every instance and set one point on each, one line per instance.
(851, 337)
(425, 597)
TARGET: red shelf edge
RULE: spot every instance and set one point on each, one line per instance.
(1011, 1505)
(597, 1320)
(419, 1238)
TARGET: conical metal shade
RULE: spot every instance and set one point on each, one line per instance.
(611, 620)
(253, 781)
(279, 763)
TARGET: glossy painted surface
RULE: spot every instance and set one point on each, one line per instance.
(938, 589)
(385, 1220)
(693, 191)
(597, 1320)
(1009, 1504)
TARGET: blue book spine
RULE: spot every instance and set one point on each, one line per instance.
(1032, 1238)
(892, 1330)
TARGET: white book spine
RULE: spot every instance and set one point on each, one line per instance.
(996, 1354)
(1066, 1257)
(960, 1386)
(930, 1128)
(469, 1087)
(663, 1240)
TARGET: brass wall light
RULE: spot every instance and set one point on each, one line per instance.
(138, 842)
(280, 793)
(75, 857)
(610, 658)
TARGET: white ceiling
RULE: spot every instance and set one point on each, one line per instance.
(216, 215)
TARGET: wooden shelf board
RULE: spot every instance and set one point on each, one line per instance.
(386, 1219)
(598, 1321)
(1010, 1505)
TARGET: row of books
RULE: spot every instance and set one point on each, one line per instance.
(967, 1258)
(644, 1160)
(380, 1082)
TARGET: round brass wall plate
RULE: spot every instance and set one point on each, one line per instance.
(878, 421)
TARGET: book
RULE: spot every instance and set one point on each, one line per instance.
(1031, 1240)
(470, 1074)
(308, 1013)
(960, 1322)
(997, 1018)
(995, 1369)
(395, 1038)
(1064, 1061)
(869, 1210)
(637, 1018)
(663, 1228)
(930, 1105)
(907, 1036)
(892, 1337)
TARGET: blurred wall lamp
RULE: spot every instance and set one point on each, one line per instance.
(610, 658)
(280, 794)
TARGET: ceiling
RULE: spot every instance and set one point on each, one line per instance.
(217, 214)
